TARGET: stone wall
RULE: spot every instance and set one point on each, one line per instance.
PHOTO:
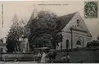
(17, 56)
(77, 55)
(80, 55)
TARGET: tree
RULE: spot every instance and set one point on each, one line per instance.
(44, 30)
(14, 34)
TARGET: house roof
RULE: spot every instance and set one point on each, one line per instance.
(31, 21)
(2, 44)
(65, 19)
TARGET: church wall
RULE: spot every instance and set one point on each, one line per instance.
(84, 39)
(66, 36)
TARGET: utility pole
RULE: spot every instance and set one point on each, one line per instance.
(61, 46)
(83, 41)
(2, 15)
(71, 37)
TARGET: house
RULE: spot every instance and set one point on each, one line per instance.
(74, 31)
(24, 45)
(2, 46)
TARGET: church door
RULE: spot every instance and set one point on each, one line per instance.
(67, 44)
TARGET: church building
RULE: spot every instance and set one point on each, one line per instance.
(74, 31)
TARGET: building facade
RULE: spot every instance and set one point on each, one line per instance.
(74, 31)
(24, 45)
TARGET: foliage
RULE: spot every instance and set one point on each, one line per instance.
(94, 43)
(14, 34)
(44, 30)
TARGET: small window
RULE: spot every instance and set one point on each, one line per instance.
(77, 19)
(78, 43)
(78, 22)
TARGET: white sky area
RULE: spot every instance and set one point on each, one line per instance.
(25, 9)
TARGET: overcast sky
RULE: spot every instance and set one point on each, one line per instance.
(25, 9)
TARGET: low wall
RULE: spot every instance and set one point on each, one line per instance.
(77, 55)
(17, 56)
(80, 55)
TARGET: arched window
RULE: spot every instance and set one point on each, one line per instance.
(78, 43)
(67, 44)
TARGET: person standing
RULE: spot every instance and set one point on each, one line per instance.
(52, 55)
(68, 58)
(43, 58)
(64, 59)
(38, 56)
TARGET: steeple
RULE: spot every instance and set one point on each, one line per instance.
(34, 14)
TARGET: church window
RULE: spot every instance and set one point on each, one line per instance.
(78, 43)
(67, 44)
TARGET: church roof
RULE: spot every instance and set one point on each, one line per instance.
(65, 19)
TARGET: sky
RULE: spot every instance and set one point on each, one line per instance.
(24, 10)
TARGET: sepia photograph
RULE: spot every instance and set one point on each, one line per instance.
(49, 32)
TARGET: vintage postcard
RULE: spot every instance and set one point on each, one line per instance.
(49, 32)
